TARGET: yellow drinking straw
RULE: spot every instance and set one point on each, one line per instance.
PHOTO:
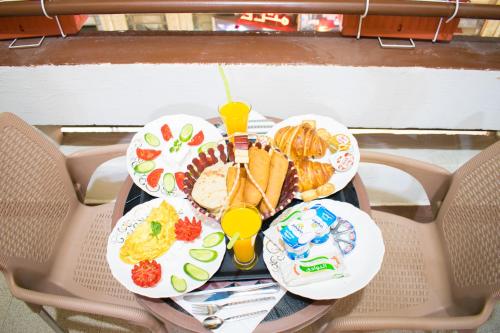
(233, 240)
(226, 83)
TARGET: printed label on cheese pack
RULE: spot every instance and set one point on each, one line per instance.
(319, 268)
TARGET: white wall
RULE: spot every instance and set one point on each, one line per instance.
(397, 97)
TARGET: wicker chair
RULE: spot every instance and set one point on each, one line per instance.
(439, 275)
(52, 246)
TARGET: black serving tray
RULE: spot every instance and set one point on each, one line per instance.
(227, 270)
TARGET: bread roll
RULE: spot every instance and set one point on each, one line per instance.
(209, 191)
(325, 189)
(277, 174)
(309, 195)
(231, 178)
(237, 196)
(259, 166)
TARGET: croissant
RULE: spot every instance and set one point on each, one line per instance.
(300, 141)
(312, 174)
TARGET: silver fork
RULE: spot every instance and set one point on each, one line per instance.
(209, 309)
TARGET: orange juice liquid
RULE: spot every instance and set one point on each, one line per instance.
(235, 116)
(246, 221)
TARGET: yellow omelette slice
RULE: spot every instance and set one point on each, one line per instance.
(143, 243)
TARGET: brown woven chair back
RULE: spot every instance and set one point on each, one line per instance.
(36, 197)
(469, 221)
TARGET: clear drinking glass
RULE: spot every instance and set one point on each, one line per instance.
(235, 116)
(246, 221)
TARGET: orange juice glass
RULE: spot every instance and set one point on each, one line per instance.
(235, 116)
(246, 221)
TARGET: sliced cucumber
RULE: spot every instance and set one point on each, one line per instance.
(206, 146)
(213, 239)
(195, 272)
(179, 284)
(204, 255)
(144, 167)
(186, 133)
(151, 139)
(169, 182)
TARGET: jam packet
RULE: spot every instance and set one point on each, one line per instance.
(344, 236)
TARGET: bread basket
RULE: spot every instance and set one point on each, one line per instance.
(225, 153)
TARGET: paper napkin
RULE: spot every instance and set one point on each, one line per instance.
(241, 326)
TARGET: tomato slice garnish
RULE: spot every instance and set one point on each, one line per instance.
(197, 139)
(147, 154)
(187, 230)
(179, 179)
(166, 132)
(154, 177)
(146, 273)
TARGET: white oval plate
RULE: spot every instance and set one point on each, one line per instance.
(169, 162)
(339, 179)
(362, 263)
(172, 262)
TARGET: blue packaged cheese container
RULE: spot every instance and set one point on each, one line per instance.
(297, 235)
(303, 226)
(322, 220)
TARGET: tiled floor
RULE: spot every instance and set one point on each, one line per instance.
(16, 317)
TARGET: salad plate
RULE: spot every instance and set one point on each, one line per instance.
(159, 153)
(361, 260)
(338, 160)
(160, 249)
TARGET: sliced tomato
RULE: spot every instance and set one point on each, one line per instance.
(154, 177)
(146, 273)
(179, 179)
(166, 132)
(187, 230)
(147, 154)
(197, 139)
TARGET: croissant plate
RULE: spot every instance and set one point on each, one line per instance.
(301, 141)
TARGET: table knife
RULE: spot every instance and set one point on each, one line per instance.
(223, 294)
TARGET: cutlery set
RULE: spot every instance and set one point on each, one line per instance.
(203, 303)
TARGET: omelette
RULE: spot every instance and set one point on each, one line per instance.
(151, 238)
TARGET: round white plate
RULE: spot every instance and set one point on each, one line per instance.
(362, 263)
(339, 179)
(172, 262)
(170, 162)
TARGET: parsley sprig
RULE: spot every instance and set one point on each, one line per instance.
(155, 228)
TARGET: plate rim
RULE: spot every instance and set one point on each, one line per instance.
(221, 249)
(354, 144)
(369, 277)
(130, 153)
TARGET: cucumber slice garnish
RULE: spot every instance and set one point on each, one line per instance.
(213, 239)
(169, 182)
(151, 139)
(206, 146)
(186, 133)
(144, 167)
(179, 284)
(204, 255)
(195, 272)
